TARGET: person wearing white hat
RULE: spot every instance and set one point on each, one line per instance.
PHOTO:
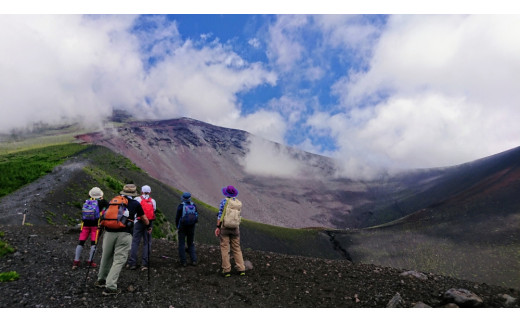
(91, 211)
(142, 231)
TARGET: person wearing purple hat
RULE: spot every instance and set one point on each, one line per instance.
(228, 222)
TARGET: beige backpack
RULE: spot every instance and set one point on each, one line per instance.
(231, 216)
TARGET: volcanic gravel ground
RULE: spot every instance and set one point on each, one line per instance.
(44, 254)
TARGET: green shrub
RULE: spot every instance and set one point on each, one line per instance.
(4, 247)
(9, 276)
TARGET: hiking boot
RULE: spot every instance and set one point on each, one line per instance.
(225, 275)
(91, 264)
(100, 283)
(75, 264)
(108, 292)
(131, 267)
(194, 263)
(144, 268)
(183, 264)
(241, 273)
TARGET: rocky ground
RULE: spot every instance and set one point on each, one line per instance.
(44, 253)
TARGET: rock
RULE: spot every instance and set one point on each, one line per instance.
(396, 301)
(415, 274)
(248, 265)
(421, 305)
(462, 297)
(509, 300)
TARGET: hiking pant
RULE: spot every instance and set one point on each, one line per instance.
(140, 232)
(187, 233)
(116, 246)
(230, 239)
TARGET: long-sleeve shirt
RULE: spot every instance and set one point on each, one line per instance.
(221, 208)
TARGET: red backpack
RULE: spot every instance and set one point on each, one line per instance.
(147, 206)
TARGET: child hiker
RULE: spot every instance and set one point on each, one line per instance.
(92, 209)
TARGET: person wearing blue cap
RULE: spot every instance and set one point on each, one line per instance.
(185, 220)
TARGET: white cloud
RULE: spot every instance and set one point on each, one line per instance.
(63, 67)
(269, 159)
(449, 90)
(266, 124)
(202, 83)
(284, 46)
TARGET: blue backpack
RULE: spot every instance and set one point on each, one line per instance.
(90, 210)
(189, 214)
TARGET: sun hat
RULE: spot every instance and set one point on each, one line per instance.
(129, 190)
(96, 193)
(146, 189)
(229, 191)
(186, 196)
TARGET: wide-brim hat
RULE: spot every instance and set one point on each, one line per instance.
(229, 191)
(186, 196)
(129, 190)
(96, 193)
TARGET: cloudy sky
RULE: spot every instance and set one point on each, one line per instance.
(393, 90)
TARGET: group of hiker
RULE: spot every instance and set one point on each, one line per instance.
(128, 218)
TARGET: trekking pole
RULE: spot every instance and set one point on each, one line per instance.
(93, 254)
(149, 251)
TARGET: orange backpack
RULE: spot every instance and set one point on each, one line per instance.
(114, 217)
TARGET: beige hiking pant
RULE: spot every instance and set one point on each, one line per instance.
(116, 246)
(230, 239)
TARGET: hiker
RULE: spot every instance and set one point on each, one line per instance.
(142, 231)
(185, 220)
(92, 209)
(118, 237)
(228, 221)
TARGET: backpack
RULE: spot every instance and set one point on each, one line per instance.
(90, 210)
(114, 217)
(231, 214)
(148, 208)
(189, 214)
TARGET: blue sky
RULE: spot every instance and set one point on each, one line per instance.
(398, 91)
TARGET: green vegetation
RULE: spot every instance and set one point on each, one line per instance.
(4, 247)
(18, 169)
(4, 250)
(9, 276)
(162, 228)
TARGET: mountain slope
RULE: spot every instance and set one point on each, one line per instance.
(202, 158)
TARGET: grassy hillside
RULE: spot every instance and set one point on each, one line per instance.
(18, 169)
(110, 171)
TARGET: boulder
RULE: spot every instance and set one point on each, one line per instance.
(396, 301)
(415, 274)
(462, 297)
